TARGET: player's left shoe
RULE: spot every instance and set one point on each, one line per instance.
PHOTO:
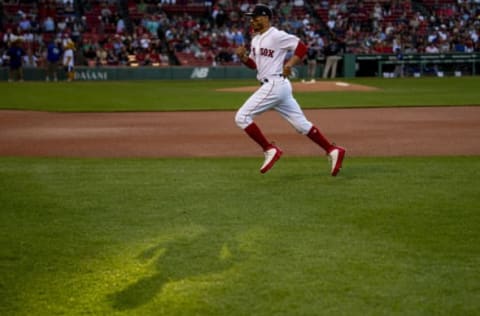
(336, 156)
(271, 156)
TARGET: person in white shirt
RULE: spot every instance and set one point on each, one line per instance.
(69, 60)
(269, 48)
(432, 48)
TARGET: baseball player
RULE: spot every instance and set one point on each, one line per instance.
(68, 60)
(269, 47)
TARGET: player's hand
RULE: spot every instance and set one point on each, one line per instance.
(287, 70)
(241, 52)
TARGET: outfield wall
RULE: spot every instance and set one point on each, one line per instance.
(349, 66)
(151, 73)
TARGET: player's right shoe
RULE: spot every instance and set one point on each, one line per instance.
(336, 155)
(271, 156)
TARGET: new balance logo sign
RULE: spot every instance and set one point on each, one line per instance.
(200, 73)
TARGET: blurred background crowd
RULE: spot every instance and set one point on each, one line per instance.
(192, 32)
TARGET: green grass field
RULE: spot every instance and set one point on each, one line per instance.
(155, 237)
(202, 95)
(389, 236)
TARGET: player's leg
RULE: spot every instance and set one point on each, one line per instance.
(328, 65)
(55, 71)
(313, 71)
(295, 116)
(70, 74)
(48, 70)
(259, 102)
(262, 100)
(291, 111)
(334, 66)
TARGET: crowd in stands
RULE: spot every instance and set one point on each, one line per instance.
(192, 32)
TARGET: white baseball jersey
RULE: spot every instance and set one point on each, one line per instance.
(68, 58)
(269, 51)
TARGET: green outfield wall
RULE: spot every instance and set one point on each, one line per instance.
(152, 73)
(349, 66)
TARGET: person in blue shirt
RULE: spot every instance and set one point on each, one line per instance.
(15, 54)
(54, 54)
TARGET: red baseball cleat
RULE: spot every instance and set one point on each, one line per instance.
(271, 156)
(336, 156)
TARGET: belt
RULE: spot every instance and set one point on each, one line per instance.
(272, 77)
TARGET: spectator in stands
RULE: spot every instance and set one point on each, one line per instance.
(298, 3)
(147, 59)
(444, 45)
(469, 46)
(62, 24)
(432, 48)
(120, 27)
(352, 40)
(224, 56)
(106, 14)
(25, 24)
(112, 59)
(15, 54)
(377, 12)
(235, 36)
(196, 49)
(218, 15)
(358, 13)
(331, 22)
(122, 57)
(333, 11)
(144, 43)
(102, 54)
(244, 7)
(9, 37)
(306, 20)
(69, 8)
(30, 60)
(151, 23)
(54, 53)
(49, 25)
(141, 7)
(90, 55)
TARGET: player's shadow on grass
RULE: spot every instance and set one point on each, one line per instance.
(183, 258)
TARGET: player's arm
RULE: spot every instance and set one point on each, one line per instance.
(297, 57)
(241, 52)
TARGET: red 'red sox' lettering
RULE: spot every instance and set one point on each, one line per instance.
(266, 52)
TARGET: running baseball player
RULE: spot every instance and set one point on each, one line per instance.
(269, 48)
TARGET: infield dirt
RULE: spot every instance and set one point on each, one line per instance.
(446, 131)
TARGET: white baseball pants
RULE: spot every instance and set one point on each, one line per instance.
(275, 93)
